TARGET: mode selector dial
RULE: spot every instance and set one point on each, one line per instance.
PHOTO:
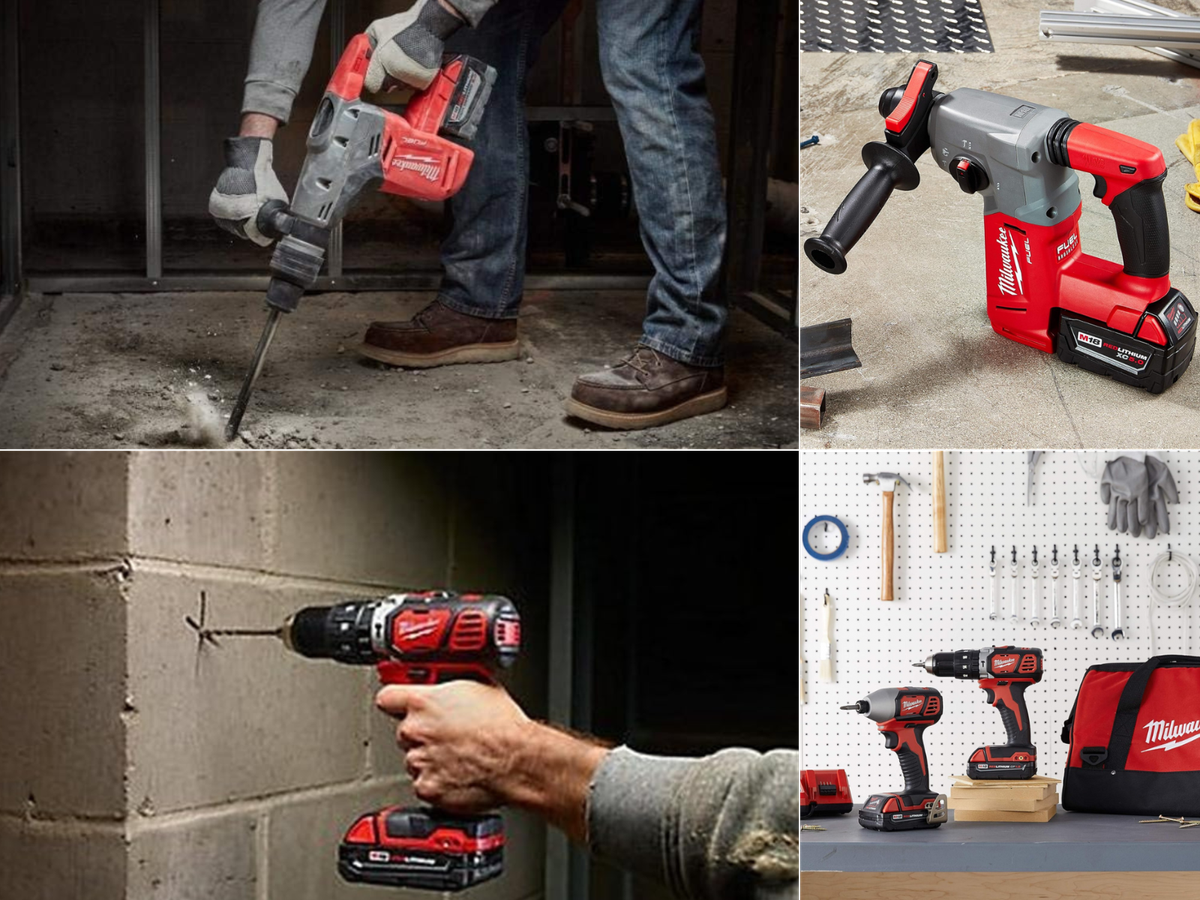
(969, 174)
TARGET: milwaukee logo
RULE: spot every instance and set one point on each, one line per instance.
(1158, 730)
(1003, 664)
(1011, 281)
(412, 632)
(428, 168)
(911, 705)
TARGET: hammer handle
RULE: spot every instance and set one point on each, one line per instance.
(886, 591)
(939, 502)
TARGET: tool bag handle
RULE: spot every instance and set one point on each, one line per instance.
(1131, 701)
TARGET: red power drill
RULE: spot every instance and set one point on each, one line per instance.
(903, 714)
(1004, 672)
(421, 638)
(1125, 321)
(353, 146)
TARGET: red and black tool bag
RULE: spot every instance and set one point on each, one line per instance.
(1135, 739)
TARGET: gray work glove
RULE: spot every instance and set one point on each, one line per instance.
(1125, 487)
(247, 182)
(1162, 491)
(408, 46)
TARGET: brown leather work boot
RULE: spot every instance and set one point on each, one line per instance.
(646, 389)
(439, 336)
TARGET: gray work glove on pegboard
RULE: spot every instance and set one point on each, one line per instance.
(1161, 492)
(1125, 487)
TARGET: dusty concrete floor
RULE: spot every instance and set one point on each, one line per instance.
(104, 370)
(934, 373)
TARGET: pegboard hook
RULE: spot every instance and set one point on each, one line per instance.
(1168, 552)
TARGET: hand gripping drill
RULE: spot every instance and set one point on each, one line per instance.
(354, 146)
(903, 714)
(1125, 321)
(414, 638)
(1004, 673)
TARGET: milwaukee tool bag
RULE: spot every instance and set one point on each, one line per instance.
(1135, 739)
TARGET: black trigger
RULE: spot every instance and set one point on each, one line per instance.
(1101, 187)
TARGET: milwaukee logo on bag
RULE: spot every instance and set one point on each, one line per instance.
(1135, 739)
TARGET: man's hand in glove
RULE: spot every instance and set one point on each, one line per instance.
(408, 46)
(247, 182)
(1161, 492)
(1125, 487)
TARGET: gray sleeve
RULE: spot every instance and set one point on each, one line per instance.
(280, 52)
(472, 10)
(725, 827)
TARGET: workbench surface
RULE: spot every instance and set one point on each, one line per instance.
(1070, 842)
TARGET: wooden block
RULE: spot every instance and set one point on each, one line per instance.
(999, 783)
(997, 801)
(997, 885)
(1029, 792)
(1003, 815)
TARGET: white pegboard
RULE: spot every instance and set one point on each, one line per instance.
(942, 602)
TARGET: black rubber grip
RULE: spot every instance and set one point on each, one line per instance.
(887, 170)
(916, 779)
(1140, 215)
(1009, 718)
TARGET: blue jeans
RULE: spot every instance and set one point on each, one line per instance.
(655, 77)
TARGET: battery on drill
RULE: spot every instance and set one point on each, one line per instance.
(422, 848)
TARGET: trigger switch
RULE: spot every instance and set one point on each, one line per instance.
(969, 174)
(1101, 187)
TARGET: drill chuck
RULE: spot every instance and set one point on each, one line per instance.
(960, 664)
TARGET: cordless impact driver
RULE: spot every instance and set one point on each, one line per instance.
(415, 638)
(1004, 673)
(354, 146)
(1125, 321)
(903, 714)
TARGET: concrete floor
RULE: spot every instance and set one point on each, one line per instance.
(104, 370)
(934, 373)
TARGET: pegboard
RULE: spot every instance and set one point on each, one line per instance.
(942, 600)
(893, 26)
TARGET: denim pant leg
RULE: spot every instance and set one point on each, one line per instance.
(484, 254)
(655, 76)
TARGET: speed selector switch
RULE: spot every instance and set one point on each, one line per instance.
(969, 174)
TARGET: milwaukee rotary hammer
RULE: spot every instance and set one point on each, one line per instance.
(903, 714)
(1125, 321)
(1004, 672)
(354, 146)
(423, 638)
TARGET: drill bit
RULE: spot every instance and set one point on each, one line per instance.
(260, 355)
(243, 632)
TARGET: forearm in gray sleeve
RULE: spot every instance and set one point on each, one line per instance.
(724, 827)
(472, 10)
(280, 52)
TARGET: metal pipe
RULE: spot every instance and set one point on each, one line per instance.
(153, 141)
(1090, 28)
(1140, 8)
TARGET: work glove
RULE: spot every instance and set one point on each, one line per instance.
(408, 46)
(247, 182)
(1162, 491)
(1125, 487)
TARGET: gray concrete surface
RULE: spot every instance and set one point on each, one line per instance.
(934, 373)
(96, 370)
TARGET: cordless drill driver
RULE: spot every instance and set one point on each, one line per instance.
(1004, 673)
(1125, 321)
(354, 146)
(903, 714)
(415, 638)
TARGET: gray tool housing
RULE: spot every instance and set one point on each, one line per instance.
(1007, 138)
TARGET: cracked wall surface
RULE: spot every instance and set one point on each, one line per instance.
(137, 763)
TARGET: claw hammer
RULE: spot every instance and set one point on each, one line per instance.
(887, 482)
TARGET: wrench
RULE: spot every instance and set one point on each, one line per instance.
(1012, 589)
(1118, 633)
(1097, 574)
(1035, 590)
(994, 586)
(1055, 621)
(1077, 591)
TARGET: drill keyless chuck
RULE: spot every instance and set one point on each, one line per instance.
(341, 633)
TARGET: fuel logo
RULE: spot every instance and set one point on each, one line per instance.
(1085, 338)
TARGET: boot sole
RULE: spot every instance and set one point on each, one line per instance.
(698, 405)
(468, 353)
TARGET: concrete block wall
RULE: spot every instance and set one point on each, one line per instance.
(135, 763)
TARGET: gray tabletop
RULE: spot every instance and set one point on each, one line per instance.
(1070, 842)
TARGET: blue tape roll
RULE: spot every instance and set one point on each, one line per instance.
(838, 550)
